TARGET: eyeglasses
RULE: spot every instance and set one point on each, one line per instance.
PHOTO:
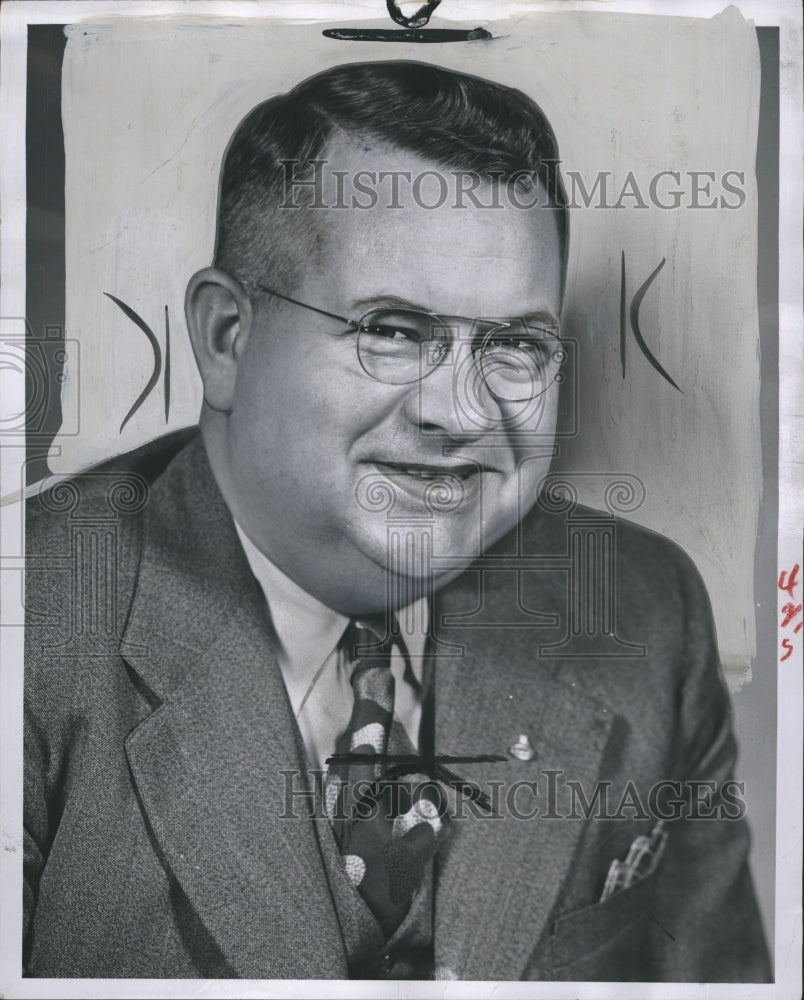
(517, 360)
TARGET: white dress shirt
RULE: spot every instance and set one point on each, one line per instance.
(315, 673)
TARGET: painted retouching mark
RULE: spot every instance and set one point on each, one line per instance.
(157, 369)
(417, 20)
(412, 26)
(399, 765)
(311, 686)
(636, 302)
(667, 932)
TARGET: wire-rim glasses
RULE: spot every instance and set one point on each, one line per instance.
(517, 360)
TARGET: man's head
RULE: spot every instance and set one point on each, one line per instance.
(417, 202)
(451, 120)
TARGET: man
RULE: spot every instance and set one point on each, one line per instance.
(352, 702)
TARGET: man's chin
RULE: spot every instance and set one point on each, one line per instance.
(420, 551)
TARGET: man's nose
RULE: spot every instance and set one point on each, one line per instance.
(452, 398)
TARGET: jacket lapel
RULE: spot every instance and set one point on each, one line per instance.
(208, 762)
(216, 763)
(498, 879)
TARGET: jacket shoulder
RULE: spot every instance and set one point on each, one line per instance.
(648, 565)
(83, 545)
(114, 488)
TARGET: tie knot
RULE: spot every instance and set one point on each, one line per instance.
(370, 637)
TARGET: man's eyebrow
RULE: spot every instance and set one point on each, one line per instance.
(539, 317)
(384, 301)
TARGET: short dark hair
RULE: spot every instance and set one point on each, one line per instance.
(452, 119)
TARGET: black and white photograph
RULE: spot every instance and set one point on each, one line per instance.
(401, 525)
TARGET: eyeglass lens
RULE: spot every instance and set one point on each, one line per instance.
(517, 360)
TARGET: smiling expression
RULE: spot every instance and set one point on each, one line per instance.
(322, 457)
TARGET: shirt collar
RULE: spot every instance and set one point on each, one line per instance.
(308, 630)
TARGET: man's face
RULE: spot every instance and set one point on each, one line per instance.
(325, 461)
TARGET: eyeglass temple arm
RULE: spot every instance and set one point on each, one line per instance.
(315, 309)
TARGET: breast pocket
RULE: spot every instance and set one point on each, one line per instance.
(602, 942)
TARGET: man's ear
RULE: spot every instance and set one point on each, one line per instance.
(219, 318)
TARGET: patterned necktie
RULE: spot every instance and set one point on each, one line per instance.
(387, 828)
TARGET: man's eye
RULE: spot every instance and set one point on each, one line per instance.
(395, 333)
(527, 345)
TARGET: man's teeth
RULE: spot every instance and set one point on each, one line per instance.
(436, 474)
(425, 475)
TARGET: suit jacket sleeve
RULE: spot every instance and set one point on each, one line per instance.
(706, 925)
(34, 832)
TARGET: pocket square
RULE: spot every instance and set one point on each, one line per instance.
(642, 859)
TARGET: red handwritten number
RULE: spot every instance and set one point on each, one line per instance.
(789, 582)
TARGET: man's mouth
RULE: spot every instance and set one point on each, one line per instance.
(427, 473)
(440, 486)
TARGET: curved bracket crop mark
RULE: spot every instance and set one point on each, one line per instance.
(167, 364)
(635, 304)
(138, 321)
(622, 312)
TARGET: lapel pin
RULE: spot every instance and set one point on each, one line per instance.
(522, 749)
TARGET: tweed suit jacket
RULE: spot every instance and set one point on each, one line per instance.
(161, 837)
